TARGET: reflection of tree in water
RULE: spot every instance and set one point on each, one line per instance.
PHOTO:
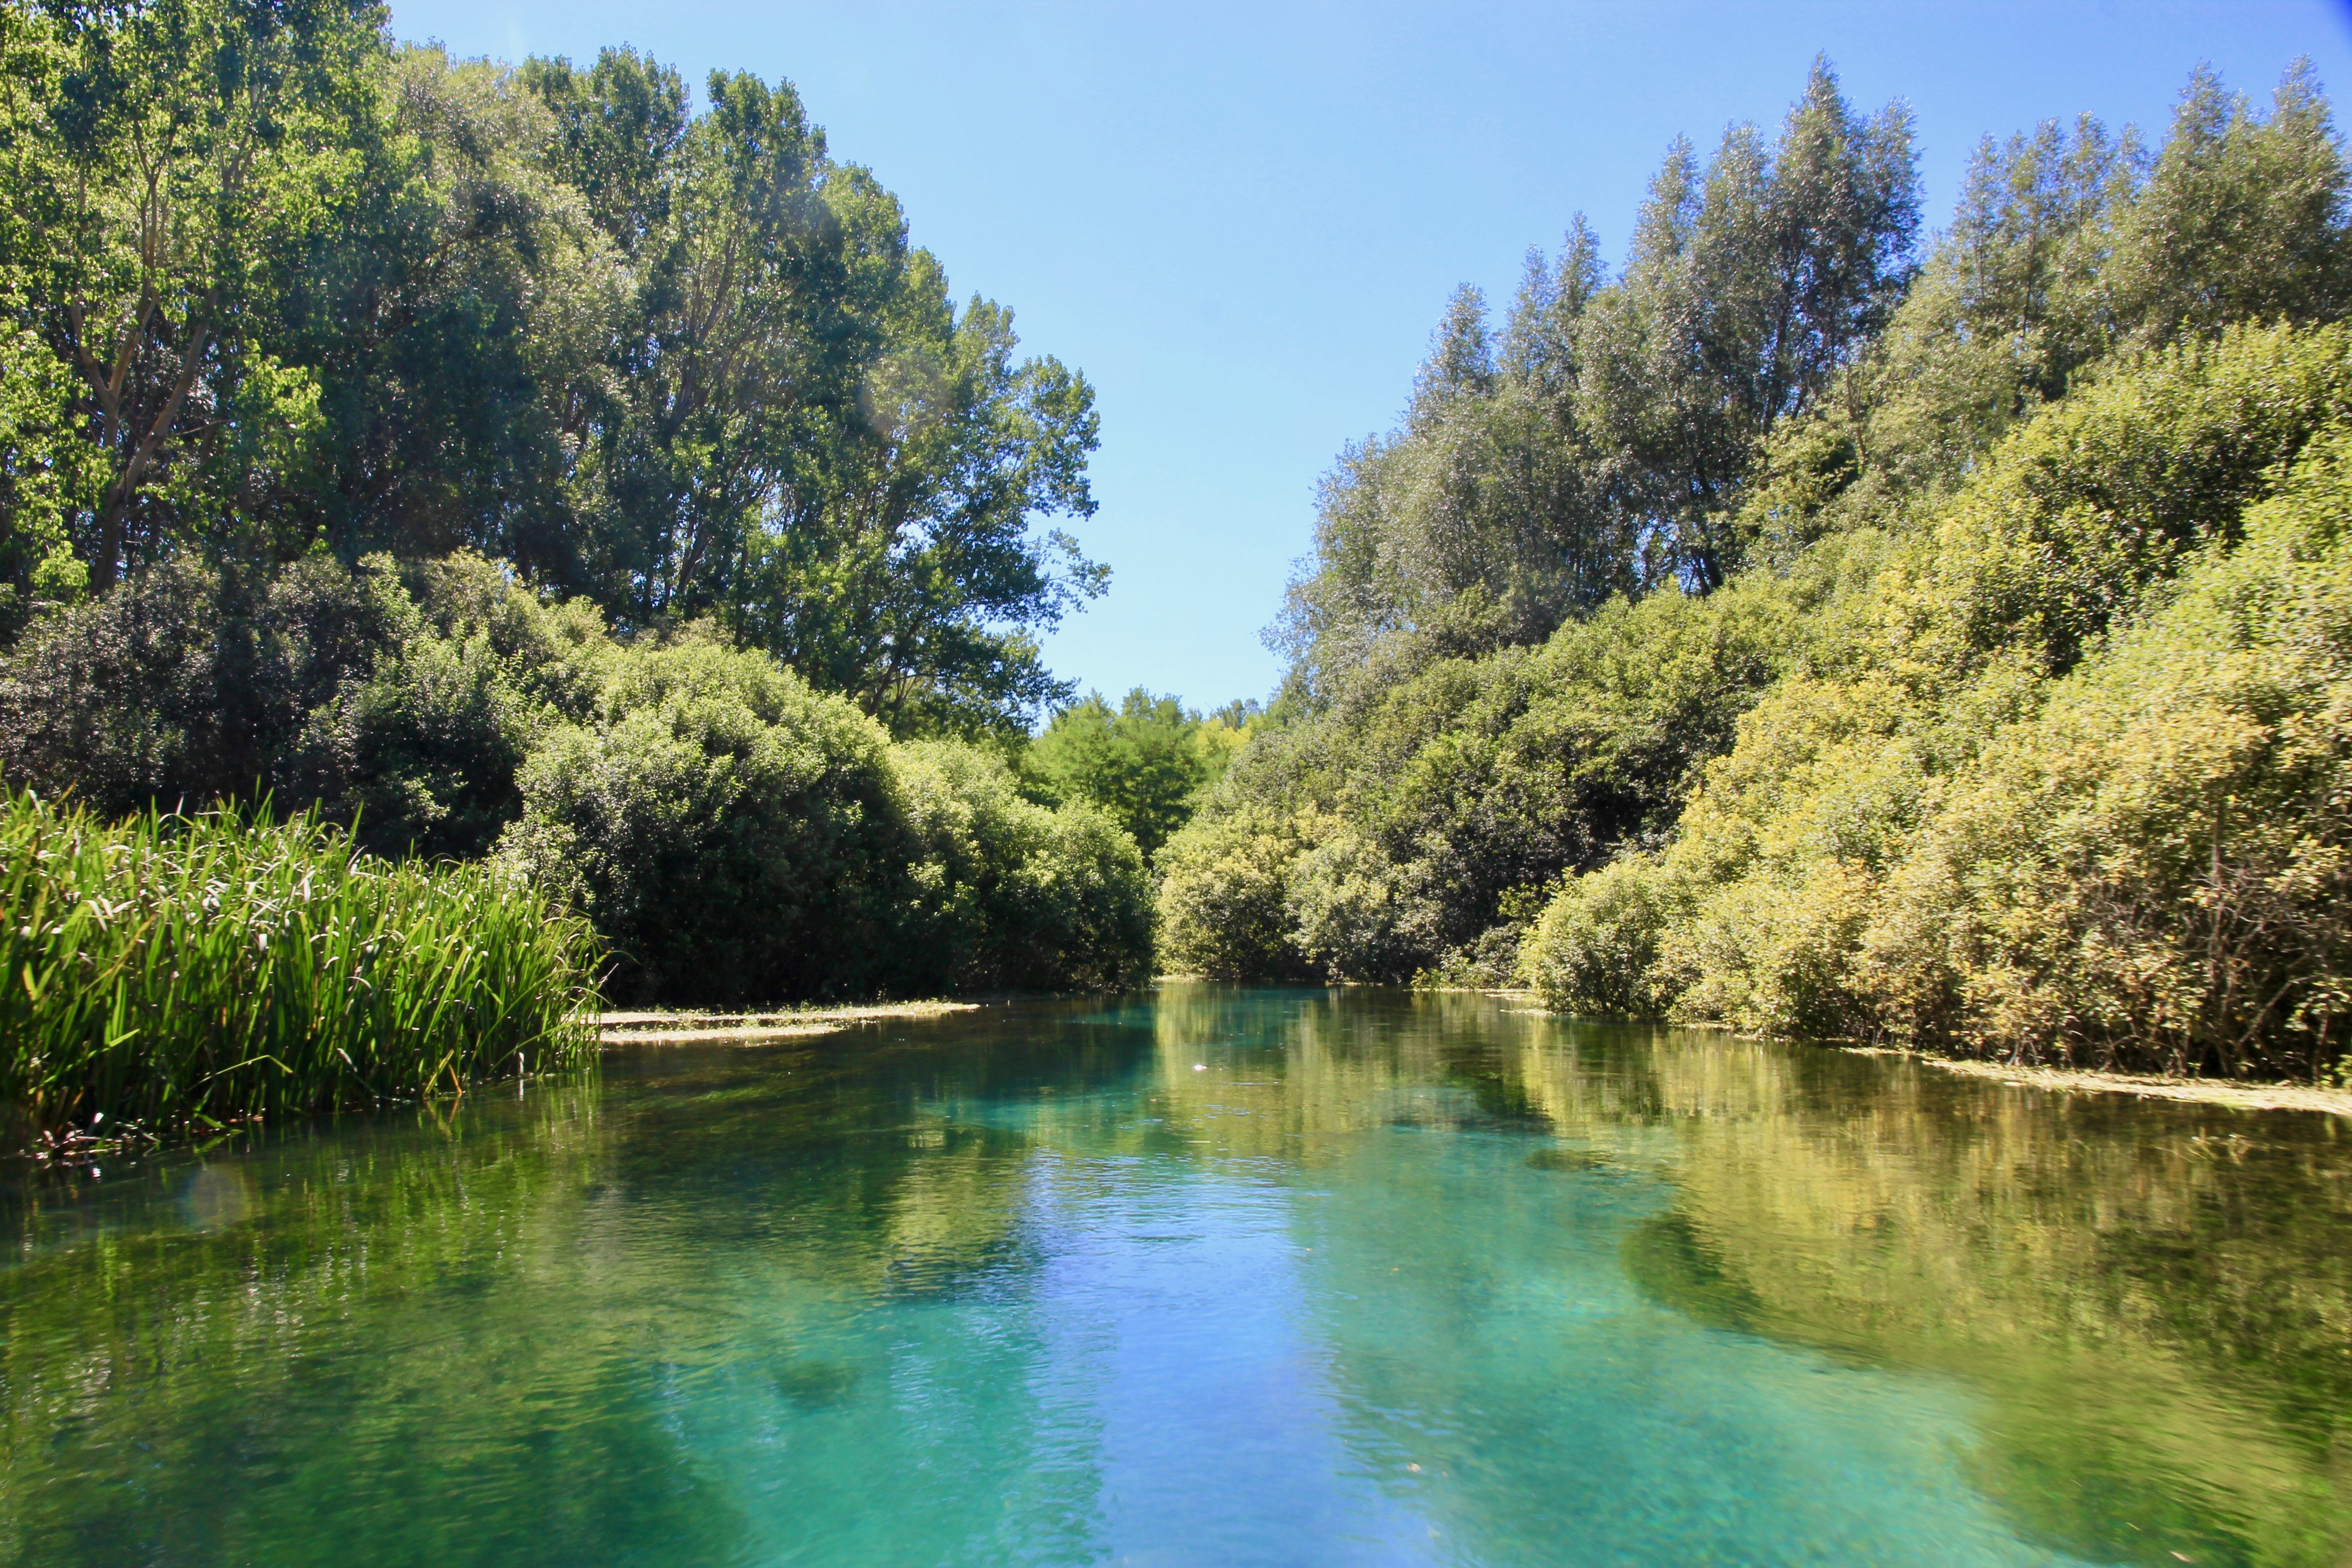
(184, 1395)
(504, 1314)
(2156, 1299)
(2153, 1303)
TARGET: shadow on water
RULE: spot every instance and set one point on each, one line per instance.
(1673, 1265)
(861, 1299)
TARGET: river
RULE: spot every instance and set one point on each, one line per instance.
(1200, 1275)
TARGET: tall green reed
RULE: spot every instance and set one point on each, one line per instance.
(175, 971)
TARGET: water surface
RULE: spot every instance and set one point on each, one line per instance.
(1201, 1277)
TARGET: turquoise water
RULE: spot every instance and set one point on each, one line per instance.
(1199, 1276)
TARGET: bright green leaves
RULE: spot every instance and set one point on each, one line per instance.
(1146, 762)
(289, 283)
(180, 157)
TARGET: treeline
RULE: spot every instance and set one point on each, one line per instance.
(1823, 631)
(279, 285)
(537, 465)
(734, 834)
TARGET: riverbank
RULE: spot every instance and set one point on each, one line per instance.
(2147, 1086)
(663, 1027)
(2195, 1090)
(171, 972)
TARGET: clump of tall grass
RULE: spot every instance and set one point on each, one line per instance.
(178, 970)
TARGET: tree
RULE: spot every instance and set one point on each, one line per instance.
(1144, 762)
(1754, 284)
(806, 437)
(175, 157)
(1606, 447)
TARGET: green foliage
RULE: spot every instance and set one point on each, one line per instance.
(185, 684)
(404, 715)
(1594, 949)
(1441, 792)
(797, 431)
(732, 832)
(2071, 245)
(1222, 896)
(2072, 531)
(170, 164)
(1012, 895)
(2075, 518)
(274, 281)
(740, 837)
(1605, 451)
(1145, 763)
(170, 970)
(2155, 867)
(735, 834)
(2021, 729)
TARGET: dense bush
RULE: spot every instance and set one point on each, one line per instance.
(741, 838)
(185, 684)
(1784, 854)
(1421, 807)
(1011, 895)
(1223, 889)
(2157, 867)
(1147, 762)
(735, 834)
(2018, 731)
(400, 701)
(170, 970)
(2136, 863)
(1594, 949)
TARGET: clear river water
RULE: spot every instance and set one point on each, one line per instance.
(1200, 1275)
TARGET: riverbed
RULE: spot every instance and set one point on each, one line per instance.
(1198, 1276)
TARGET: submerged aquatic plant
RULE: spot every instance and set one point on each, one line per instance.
(191, 970)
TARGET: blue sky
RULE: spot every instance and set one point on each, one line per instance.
(1241, 221)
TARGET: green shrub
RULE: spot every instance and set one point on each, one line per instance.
(424, 754)
(2076, 524)
(1594, 949)
(2156, 869)
(1145, 762)
(2107, 492)
(1012, 895)
(186, 970)
(185, 684)
(400, 700)
(739, 837)
(735, 836)
(1458, 785)
(1224, 887)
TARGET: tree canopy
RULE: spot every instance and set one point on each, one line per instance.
(276, 285)
(1814, 631)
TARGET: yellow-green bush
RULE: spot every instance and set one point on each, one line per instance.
(1386, 838)
(1223, 891)
(1594, 949)
(2157, 868)
(2071, 525)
